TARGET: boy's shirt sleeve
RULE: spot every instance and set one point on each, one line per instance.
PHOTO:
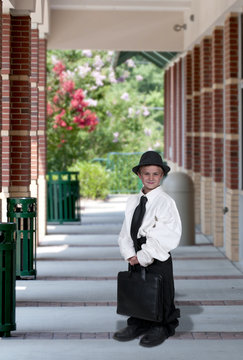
(163, 235)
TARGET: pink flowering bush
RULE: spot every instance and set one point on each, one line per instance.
(68, 116)
(94, 109)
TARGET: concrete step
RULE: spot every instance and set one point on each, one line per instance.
(92, 319)
(105, 290)
(111, 349)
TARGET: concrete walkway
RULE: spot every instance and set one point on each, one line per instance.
(69, 311)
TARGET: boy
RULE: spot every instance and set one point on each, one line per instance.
(150, 245)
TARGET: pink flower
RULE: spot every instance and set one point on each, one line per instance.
(147, 132)
(125, 96)
(78, 95)
(116, 135)
(145, 111)
(59, 68)
(63, 123)
(55, 99)
(130, 63)
(87, 53)
(59, 117)
(49, 109)
(139, 78)
(98, 78)
(68, 86)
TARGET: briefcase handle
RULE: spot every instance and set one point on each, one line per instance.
(131, 269)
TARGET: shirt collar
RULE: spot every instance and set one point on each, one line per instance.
(152, 194)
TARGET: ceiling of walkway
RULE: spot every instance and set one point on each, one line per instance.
(135, 5)
(122, 25)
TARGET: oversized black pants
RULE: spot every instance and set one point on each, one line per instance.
(170, 313)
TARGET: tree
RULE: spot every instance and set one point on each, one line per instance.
(93, 110)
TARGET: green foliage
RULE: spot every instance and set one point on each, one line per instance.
(93, 178)
(122, 179)
(127, 104)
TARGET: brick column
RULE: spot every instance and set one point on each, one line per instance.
(20, 106)
(1, 110)
(166, 113)
(168, 120)
(218, 136)
(179, 114)
(34, 108)
(5, 123)
(232, 135)
(174, 112)
(42, 138)
(188, 113)
(206, 135)
(196, 151)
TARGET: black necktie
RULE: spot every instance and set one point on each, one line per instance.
(137, 220)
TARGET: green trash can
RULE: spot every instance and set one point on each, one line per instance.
(22, 211)
(63, 197)
(7, 278)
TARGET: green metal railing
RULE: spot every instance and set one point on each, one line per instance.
(22, 211)
(7, 278)
(63, 197)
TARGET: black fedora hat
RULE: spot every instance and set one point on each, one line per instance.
(151, 158)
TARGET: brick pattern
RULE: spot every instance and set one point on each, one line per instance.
(1, 109)
(166, 104)
(206, 134)
(188, 111)
(179, 114)
(5, 112)
(42, 108)
(169, 112)
(196, 111)
(34, 108)
(232, 135)
(20, 105)
(174, 111)
(231, 100)
(218, 140)
(196, 143)
(211, 130)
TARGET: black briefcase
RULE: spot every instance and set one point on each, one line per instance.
(140, 294)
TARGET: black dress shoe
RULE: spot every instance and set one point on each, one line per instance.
(129, 333)
(156, 335)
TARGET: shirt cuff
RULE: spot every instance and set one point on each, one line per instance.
(144, 259)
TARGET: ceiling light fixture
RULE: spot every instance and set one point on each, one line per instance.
(178, 27)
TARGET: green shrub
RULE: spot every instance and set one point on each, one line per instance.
(93, 178)
(122, 179)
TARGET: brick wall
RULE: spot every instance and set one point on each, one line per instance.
(1, 110)
(188, 111)
(34, 108)
(5, 113)
(232, 134)
(20, 106)
(196, 143)
(211, 130)
(206, 134)
(218, 135)
(179, 124)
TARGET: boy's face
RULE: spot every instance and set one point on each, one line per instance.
(151, 176)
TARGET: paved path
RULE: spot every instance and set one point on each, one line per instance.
(69, 311)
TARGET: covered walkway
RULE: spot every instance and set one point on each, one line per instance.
(74, 297)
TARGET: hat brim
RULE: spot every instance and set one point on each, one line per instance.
(165, 168)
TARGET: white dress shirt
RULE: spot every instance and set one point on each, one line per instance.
(161, 226)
